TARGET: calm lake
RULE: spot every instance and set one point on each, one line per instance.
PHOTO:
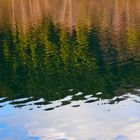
(69, 69)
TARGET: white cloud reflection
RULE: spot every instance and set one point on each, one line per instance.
(89, 122)
(94, 121)
(44, 133)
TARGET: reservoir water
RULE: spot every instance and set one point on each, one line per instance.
(69, 70)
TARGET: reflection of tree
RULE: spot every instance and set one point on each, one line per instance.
(49, 59)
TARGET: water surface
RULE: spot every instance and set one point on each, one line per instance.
(69, 70)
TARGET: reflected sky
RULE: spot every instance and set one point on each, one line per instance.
(89, 121)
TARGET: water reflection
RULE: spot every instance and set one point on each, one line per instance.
(74, 57)
(98, 120)
(48, 61)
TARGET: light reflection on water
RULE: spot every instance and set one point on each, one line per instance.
(69, 70)
(97, 120)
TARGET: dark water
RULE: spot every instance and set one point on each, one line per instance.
(69, 70)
